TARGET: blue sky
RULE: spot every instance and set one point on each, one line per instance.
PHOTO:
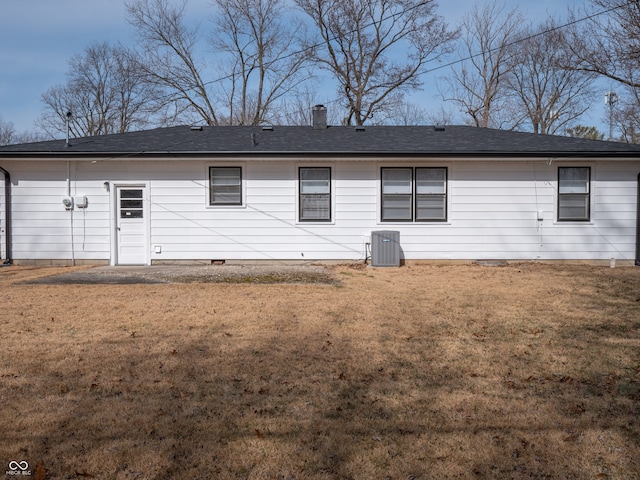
(38, 37)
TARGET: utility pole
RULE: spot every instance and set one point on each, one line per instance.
(610, 99)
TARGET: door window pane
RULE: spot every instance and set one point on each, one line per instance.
(131, 203)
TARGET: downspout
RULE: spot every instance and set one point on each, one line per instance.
(637, 262)
(7, 215)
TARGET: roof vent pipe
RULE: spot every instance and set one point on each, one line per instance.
(69, 115)
(319, 117)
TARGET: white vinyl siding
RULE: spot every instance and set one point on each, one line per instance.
(41, 227)
(492, 211)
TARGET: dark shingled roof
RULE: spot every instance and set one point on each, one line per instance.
(458, 141)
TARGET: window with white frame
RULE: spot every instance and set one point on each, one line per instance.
(574, 191)
(225, 186)
(414, 194)
(314, 194)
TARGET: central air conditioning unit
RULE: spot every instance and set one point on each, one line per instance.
(385, 248)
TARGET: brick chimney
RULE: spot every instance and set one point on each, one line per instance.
(319, 117)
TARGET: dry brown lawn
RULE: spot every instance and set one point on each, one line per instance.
(421, 372)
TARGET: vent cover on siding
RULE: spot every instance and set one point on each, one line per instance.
(385, 248)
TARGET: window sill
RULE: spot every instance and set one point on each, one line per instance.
(574, 222)
(415, 224)
(315, 222)
(225, 207)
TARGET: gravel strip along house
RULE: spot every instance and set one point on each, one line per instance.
(381, 194)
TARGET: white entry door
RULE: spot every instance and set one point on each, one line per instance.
(131, 226)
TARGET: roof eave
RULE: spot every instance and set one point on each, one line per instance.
(324, 153)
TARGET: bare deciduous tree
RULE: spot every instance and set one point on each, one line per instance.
(403, 112)
(625, 115)
(259, 59)
(7, 133)
(442, 117)
(375, 48)
(169, 58)
(549, 95)
(478, 85)
(104, 92)
(297, 107)
(264, 57)
(608, 42)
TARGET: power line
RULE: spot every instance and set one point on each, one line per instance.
(530, 37)
(524, 39)
(320, 44)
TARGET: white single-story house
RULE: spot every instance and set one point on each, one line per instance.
(319, 193)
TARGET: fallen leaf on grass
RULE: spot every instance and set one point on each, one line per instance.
(84, 474)
(578, 408)
(572, 438)
(41, 472)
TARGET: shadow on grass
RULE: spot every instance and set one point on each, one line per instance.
(418, 394)
(320, 411)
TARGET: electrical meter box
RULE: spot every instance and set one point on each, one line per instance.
(80, 201)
